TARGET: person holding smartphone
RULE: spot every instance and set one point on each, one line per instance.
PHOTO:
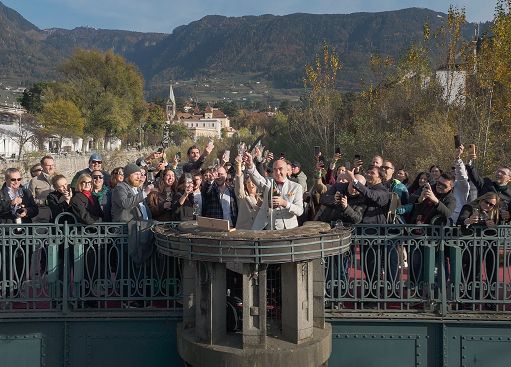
(59, 201)
(195, 158)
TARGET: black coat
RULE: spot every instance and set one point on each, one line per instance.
(57, 204)
(435, 214)
(333, 211)
(85, 211)
(377, 200)
(6, 214)
(484, 185)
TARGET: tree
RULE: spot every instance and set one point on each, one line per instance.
(32, 99)
(62, 119)
(25, 130)
(316, 121)
(106, 89)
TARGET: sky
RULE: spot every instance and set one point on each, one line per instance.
(165, 15)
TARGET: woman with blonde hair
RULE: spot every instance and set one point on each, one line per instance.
(481, 214)
(249, 200)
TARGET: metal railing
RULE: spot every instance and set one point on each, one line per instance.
(422, 268)
(71, 267)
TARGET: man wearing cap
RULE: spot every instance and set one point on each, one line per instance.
(95, 164)
(298, 176)
(129, 206)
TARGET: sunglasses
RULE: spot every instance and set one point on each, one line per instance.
(97, 162)
(119, 173)
(16, 179)
(97, 177)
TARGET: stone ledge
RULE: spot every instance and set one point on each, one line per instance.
(314, 352)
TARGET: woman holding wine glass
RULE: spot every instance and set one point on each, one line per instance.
(160, 200)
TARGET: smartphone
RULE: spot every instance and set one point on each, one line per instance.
(282, 155)
(338, 150)
(210, 143)
(316, 151)
(472, 149)
(347, 164)
(357, 157)
(178, 156)
(227, 155)
(457, 141)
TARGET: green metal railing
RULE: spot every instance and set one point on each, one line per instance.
(70, 267)
(447, 270)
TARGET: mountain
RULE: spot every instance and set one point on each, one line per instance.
(29, 54)
(268, 47)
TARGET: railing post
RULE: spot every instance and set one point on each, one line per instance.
(443, 280)
(65, 273)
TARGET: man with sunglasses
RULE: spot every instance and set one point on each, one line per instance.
(95, 164)
(40, 186)
(17, 204)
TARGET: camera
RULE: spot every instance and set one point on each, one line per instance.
(20, 211)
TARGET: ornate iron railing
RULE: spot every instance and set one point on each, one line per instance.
(71, 267)
(424, 268)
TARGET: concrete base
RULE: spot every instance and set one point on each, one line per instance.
(313, 353)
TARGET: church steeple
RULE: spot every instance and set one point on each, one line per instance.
(170, 107)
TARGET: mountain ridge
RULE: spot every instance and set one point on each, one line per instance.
(271, 47)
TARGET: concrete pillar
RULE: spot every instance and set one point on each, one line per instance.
(189, 288)
(318, 293)
(254, 306)
(297, 301)
(210, 314)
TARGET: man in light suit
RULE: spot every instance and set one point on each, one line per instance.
(286, 196)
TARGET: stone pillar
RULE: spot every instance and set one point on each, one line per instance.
(189, 288)
(297, 301)
(319, 293)
(210, 314)
(254, 306)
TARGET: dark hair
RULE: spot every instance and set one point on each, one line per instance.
(447, 176)
(190, 149)
(433, 166)
(381, 172)
(415, 184)
(161, 182)
(407, 179)
(44, 158)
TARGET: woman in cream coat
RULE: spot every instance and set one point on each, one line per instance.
(249, 200)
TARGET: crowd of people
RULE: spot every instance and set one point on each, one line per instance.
(256, 191)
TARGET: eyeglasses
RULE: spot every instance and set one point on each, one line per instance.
(97, 177)
(491, 205)
(97, 162)
(16, 179)
(86, 183)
